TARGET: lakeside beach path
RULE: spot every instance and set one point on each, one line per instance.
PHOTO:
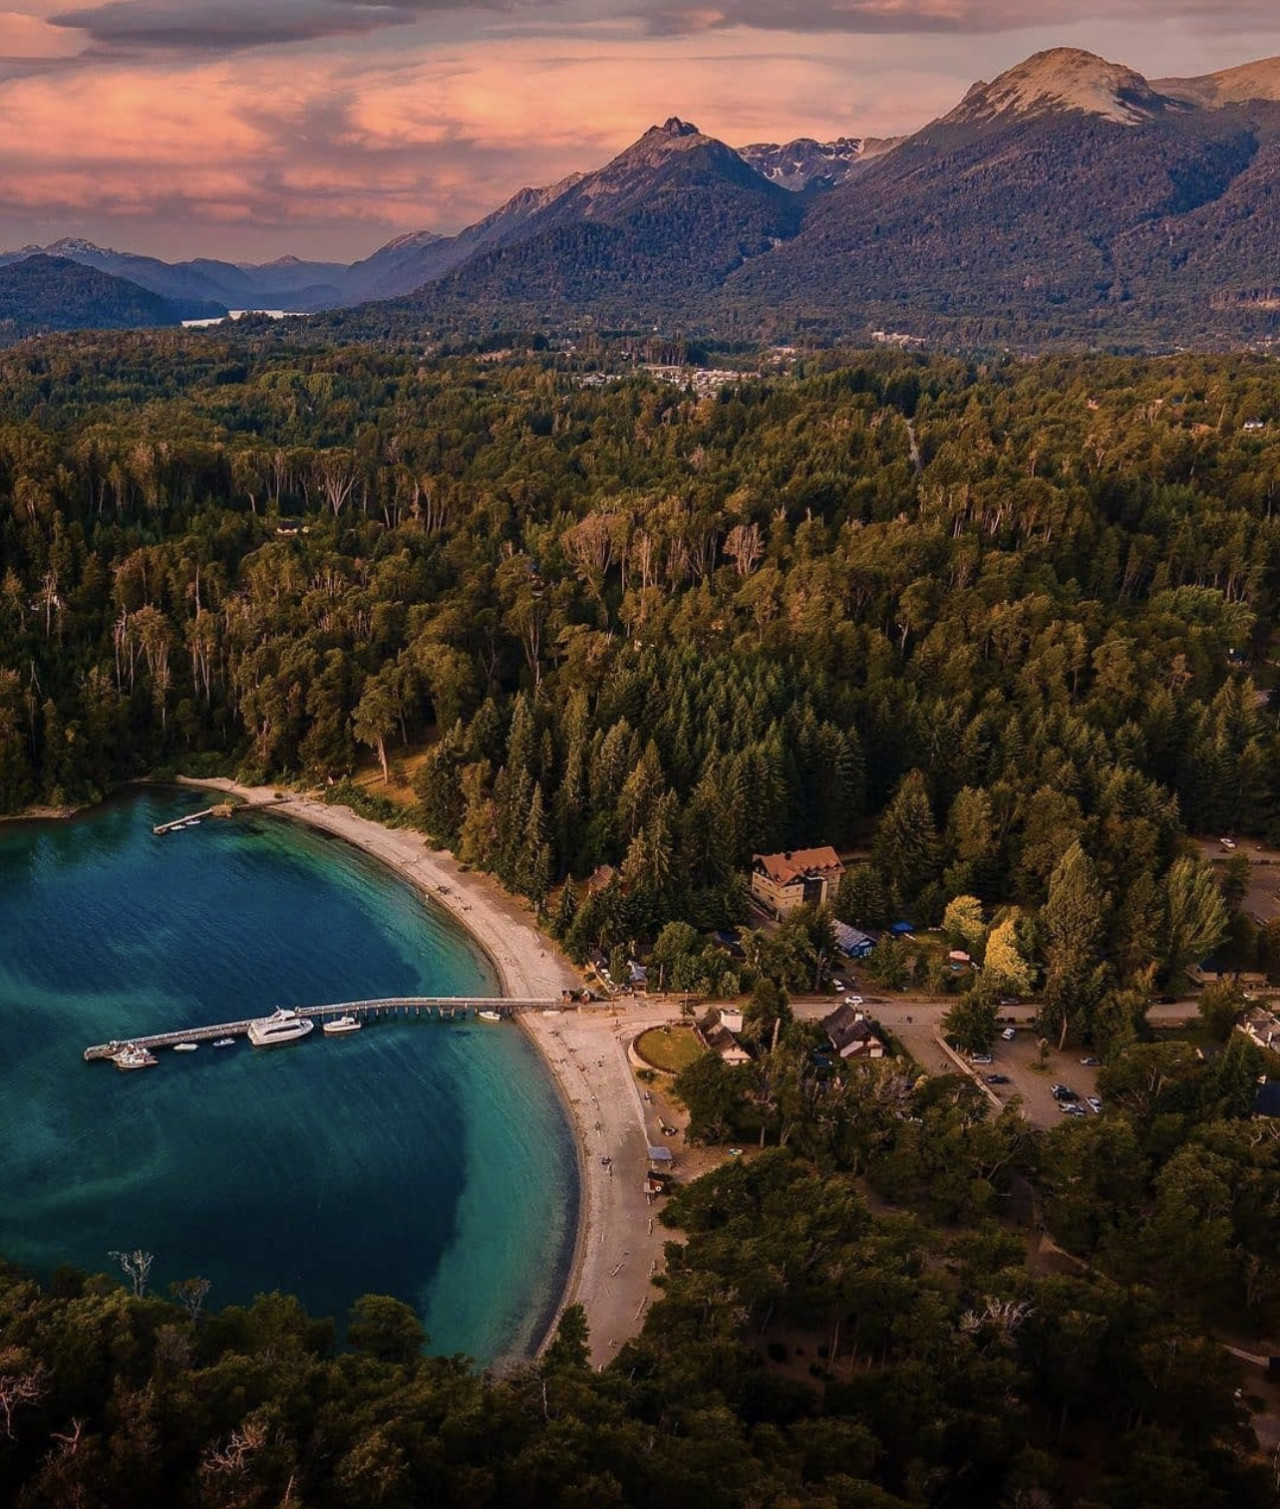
(620, 1241)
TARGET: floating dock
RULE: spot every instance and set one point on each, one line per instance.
(426, 1008)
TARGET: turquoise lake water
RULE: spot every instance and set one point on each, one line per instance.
(428, 1161)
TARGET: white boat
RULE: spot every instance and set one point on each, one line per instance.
(185, 1047)
(133, 1057)
(341, 1024)
(489, 1016)
(282, 1026)
(224, 1042)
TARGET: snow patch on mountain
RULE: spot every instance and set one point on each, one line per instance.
(795, 165)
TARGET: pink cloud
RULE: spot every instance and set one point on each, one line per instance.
(328, 152)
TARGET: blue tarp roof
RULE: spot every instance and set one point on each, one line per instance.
(903, 927)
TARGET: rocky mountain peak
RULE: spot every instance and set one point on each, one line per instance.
(76, 246)
(1064, 78)
(1249, 81)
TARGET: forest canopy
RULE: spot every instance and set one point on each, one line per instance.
(999, 611)
(1002, 631)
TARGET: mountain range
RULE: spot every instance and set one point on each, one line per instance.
(1070, 200)
(204, 288)
(40, 294)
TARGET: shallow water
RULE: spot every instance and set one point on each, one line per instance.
(428, 1161)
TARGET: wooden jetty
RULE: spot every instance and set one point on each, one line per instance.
(219, 809)
(426, 1008)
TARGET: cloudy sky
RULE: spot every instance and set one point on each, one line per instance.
(253, 128)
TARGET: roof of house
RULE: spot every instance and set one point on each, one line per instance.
(717, 1037)
(795, 864)
(1262, 1024)
(660, 1155)
(845, 1025)
(848, 938)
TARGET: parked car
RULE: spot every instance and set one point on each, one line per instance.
(981, 1058)
(1064, 1093)
(997, 1079)
(839, 985)
(1071, 1110)
(853, 1000)
(1091, 1063)
(1227, 843)
(1009, 1034)
(1093, 1102)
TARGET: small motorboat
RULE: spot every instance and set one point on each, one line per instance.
(185, 1047)
(488, 1015)
(224, 1042)
(340, 1025)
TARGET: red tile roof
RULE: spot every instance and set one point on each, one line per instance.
(782, 869)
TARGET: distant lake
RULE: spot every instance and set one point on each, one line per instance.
(428, 1161)
(239, 314)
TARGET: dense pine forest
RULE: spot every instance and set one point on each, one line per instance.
(1004, 632)
(1000, 612)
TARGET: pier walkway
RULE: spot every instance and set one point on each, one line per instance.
(432, 1008)
(219, 809)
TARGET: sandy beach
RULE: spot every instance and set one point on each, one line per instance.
(619, 1242)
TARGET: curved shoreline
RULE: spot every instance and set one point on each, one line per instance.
(585, 1052)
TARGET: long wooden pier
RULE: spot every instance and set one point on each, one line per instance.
(431, 1008)
(219, 809)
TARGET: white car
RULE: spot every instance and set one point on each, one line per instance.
(1008, 1034)
(853, 1000)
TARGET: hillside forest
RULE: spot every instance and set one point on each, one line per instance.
(1001, 633)
(980, 625)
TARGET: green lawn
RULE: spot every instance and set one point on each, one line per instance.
(669, 1048)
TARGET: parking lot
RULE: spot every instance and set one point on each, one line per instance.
(1019, 1060)
(1262, 901)
(916, 1025)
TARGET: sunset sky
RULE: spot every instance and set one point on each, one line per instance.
(251, 128)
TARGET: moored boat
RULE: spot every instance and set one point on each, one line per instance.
(489, 1016)
(133, 1057)
(340, 1025)
(224, 1042)
(185, 1047)
(282, 1026)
